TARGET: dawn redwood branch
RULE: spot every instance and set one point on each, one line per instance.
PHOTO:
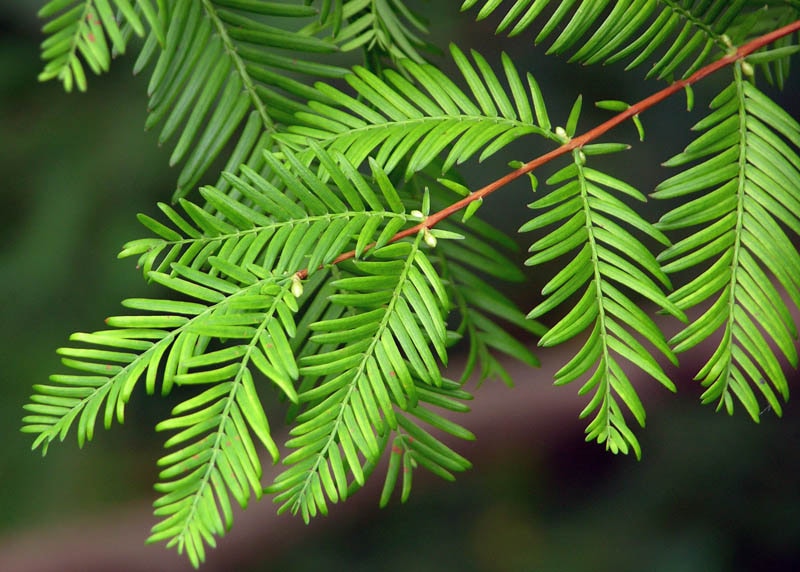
(532, 413)
(581, 140)
(603, 128)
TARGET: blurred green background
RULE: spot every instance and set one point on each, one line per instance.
(712, 492)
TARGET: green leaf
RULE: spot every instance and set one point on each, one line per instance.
(736, 221)
(637, 28)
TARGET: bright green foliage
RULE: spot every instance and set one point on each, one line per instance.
(363, 345)
(225, 70)
(364, 365)
(608, 256)
(478, 304)
(640, 29)
(748, 177)
(412, 122)
(668, 33)
(324, 269)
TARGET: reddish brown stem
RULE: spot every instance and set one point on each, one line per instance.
(591, 135)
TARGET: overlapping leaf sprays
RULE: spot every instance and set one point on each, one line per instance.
(324, 263)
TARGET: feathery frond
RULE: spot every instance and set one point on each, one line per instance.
(240, 272)
(314, 270)
(88, 32)
(397, 121)
(224, 70)
(375, 361)
(683, 32)
(414, 446)
(215, 456)
(609, 257)
(748, 178)
(480, 305)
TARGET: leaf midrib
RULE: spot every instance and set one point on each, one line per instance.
(320, 456)
(267, 122)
